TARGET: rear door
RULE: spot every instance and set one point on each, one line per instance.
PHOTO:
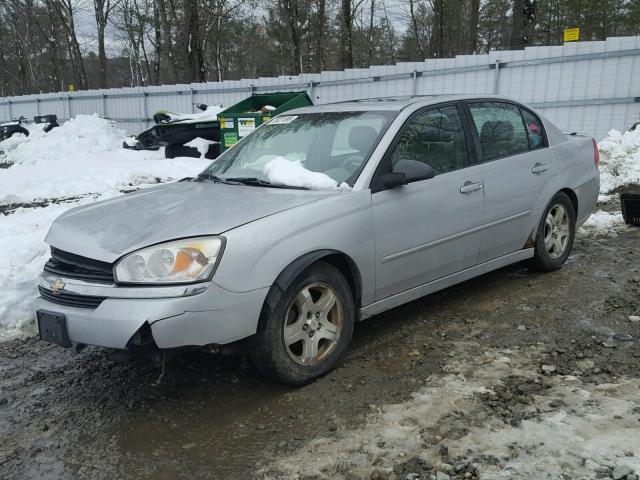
(431, 228)
(516, 167)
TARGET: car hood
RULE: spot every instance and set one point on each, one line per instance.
(108, 229)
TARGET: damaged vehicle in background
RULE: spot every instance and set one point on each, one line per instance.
(319, 218)
(19, 126)
(176, 131)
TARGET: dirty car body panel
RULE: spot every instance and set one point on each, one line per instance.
(400, 243)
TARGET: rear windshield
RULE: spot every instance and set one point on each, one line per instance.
(334, 144)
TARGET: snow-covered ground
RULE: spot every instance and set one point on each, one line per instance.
(80, 162)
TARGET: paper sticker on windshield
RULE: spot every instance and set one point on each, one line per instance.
(282, 119)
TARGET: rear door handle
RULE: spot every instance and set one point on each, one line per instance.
(539, 168)
(469, 187)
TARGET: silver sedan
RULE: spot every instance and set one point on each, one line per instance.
(320, 218)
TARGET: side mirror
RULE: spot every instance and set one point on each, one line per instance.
(413, 171)
(393, 179)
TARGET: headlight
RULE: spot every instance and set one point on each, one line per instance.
(181, 261)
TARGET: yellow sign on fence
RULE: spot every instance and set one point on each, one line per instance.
(571, 34)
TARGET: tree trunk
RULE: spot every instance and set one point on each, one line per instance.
(291, 12)
(194, 71)
(347, 35)
(416, 33)
(167, 41)
(102, 9)
(158, 44)
(473, 27)
(321, 21)
(370, 36)
(522, 22)
(437, 32)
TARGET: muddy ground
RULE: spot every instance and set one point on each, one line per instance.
(85, 416)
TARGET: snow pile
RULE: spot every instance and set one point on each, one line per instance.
(281, 171)
(81, 161)
(11, 143)
(620, 160)
(84, 155)
(603, 222)
(23, 253)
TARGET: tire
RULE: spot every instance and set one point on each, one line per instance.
(556, 232)
(299, 313)
(173, 151)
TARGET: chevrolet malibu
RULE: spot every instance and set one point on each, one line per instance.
(320, 218)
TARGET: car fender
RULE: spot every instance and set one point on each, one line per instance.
(257, 253)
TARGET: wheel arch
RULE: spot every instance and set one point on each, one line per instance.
(530, 241)
(339, 260)
(573, 197)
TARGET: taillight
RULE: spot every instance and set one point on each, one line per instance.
(596, 153)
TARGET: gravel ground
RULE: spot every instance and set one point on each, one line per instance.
(497, 377)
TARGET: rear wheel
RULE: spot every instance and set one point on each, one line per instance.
(556, 233)
(309, 330)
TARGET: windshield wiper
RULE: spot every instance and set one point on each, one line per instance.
(214, 178)
(257, 182)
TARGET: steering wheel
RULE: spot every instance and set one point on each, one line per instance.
(351, 163)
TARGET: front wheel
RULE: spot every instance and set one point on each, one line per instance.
(556, 233)
(308, 332)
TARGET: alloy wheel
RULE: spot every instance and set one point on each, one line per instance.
(556, 231)
(313, 324)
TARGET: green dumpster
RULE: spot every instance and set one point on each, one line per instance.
(244, 117)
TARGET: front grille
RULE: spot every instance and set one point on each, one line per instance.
(69, 265)
(70, 299)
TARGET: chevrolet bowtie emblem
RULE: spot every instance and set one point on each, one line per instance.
(58, 286)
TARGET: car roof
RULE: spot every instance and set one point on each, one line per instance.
(387, 103)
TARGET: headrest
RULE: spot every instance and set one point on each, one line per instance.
(440, 133)
(361, 138)
(496, 132)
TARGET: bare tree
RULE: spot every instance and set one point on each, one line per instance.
(194, 69)
(474, 19)
(102, 10)
(522, 22)
(416, 29)
(320, 21)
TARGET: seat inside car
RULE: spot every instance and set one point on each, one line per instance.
(443, 149)
(361, 138)
(496, 139)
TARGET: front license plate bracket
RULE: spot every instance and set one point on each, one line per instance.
(52, 327)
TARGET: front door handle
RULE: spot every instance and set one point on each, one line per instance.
(539, 168)
(469, 187)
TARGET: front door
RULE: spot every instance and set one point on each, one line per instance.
(431, 228)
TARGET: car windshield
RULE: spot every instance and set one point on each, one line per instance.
(324, 150)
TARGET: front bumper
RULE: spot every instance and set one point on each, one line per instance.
(179, 316)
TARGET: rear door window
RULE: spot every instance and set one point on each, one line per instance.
(500, 128)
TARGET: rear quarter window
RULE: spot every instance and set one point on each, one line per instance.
(535, 130)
